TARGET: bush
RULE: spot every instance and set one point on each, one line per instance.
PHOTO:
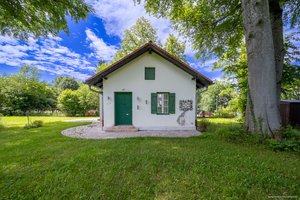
(203, 124)
(225, 113)
(237, 134)
(38, 123)
(34, 124)
(68, 102)
(287, 139)
(17, 113)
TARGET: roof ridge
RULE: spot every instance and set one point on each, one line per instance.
(113, 63)
(160, 51)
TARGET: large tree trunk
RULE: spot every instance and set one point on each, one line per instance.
(262, 106)
(277, 31)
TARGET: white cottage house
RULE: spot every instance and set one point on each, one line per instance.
(149, 89)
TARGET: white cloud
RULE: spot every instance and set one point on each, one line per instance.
(117, 16)
(120, 15)
(189, 51)
(205, 66)
(47, 54)
(102, 51)
(218, 78)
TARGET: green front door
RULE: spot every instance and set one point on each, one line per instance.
(123, 108)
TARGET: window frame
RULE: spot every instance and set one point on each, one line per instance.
(146, 73)
(163, 103)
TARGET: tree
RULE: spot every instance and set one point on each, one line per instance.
(29, 73)
(88, 99)
(4, 101)
(139, 34)
(219, 96)
(136, 36)
(262, 113)
(216, 27)
(235, 68)
(291, 73)
(78, 102)
(68, 102)
(290, 82)
(65, 82)
(102, 66)
(175, 47)
(23, 93)
(39, 17)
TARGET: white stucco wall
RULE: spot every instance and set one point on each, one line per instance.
(168, 78)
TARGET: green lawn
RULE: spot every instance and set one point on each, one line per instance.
(20, 121)
(42, 164)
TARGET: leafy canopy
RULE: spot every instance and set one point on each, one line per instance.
(212, 26)
(175, 47)
(219, 96)
(139, 34)
(23, 92)
(68, 102)
(21, 18)
(65, 82)
(77, 102)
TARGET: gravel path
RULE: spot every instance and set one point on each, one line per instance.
(94, 119)
(93, 131)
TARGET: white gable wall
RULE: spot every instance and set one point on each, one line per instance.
(168, 78)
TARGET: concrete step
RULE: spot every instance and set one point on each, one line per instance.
(121, 129)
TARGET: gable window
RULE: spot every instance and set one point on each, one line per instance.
(163, 103)
(149, 73)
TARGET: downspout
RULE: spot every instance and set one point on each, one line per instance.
(196, 105)
(101, 112)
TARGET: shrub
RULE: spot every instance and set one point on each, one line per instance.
(288, 140)
(38, 123)
(237, 134)
(68, 102)
(34, 124)
(225, 113)
(17, 113)
(203, 124)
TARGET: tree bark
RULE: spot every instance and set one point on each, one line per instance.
(277, 31)
(262, 106)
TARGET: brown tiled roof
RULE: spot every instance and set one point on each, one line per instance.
(96, 80)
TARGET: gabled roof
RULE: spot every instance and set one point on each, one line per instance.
(97, 79)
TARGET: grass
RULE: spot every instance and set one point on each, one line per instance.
(42, 164)
(20, 121)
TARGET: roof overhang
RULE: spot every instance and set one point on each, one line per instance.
(97, 79)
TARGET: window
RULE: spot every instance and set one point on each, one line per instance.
(162, 103)
(149, 73)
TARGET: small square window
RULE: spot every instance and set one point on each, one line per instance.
(149, 73)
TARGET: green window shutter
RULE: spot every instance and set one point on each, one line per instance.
(172, 103)
(149, 73)
(153, 103)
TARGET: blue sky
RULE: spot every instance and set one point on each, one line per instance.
(96, 38)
